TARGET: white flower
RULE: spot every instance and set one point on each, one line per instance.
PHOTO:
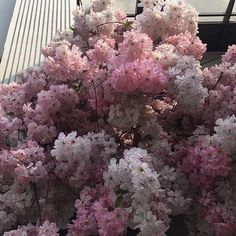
(48, 229)
(186, 83)
(73, 149)
(82, 147)
(136, 174)
(165, 54)
(111, 176)
(110, 147)
(226, 134)
(161, 18)
(62, 147)
(152, 226)
(168, 173)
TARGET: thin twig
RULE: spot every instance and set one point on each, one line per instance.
(37, 202)
(30, 207)
(218, 81)
(96, 104)
(111, 22)
(136, 138)
(202, 64)
(100, 83)
(162, 7)
(173, 125)
(48, 183)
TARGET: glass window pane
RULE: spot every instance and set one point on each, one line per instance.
(128, 5)
(211, 18)
(216, 6)
(233, 18)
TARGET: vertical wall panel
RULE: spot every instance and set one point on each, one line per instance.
(33, 25)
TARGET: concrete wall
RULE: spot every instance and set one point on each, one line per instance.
(6, 10)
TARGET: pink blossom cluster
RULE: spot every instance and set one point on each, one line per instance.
(187, 44)
(121, 130)
(145, 76)
(230, 55)
(64, 61)
(96, 212)
(205, 164)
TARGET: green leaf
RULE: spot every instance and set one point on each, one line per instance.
(147, 137)
(128, 25)
(77, 86)
(121, 191)
(114, 155)
(118, 201)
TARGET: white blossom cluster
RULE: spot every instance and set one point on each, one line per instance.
(78, 157)
(71, 147)
(187, 83)
(165, 54)
(226, 134)
(99, 16)
(135, 175)
(160, 18)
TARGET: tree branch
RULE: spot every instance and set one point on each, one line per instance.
(37, 202)
(218, 81)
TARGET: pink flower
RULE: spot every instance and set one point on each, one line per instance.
(91, 200)
(230, 55)
(135, 46)
(111, 222)
(64, 62)
(145, 76)
(205, 164)
(187, 44)
(151, 76)
(221, 220)
(214, 162)
(31, 173)
(125, 78)
(48, 229)
(7, 162)
(41, 133)
(102, 51)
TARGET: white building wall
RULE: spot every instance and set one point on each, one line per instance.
(6, 10)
